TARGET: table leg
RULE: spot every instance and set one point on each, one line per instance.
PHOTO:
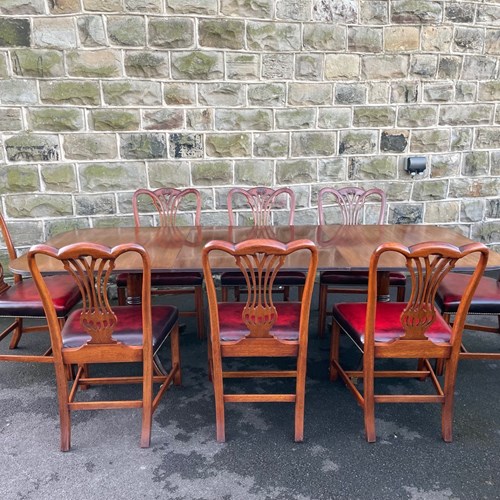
(134, 288)
(383, 286)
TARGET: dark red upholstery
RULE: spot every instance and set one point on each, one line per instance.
(357, 278)
(486, 299)
(284, 278)
(352, 316)
(232, 326)
(23, 300)
(128, 328)
(184, 278)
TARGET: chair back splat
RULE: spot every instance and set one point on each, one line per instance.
(261, 327)
(409, 330)
(99, 333)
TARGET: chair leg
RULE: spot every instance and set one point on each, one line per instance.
(300, 394)
(323, 297)
(400, 293)
(224, 293)
(219, 397)
(147, 403)
(334, 350)
(176, 353)
(237, 294)
(16, 336)
(200, 311)
(450, 376)
(286, 294)
(122, 295)
(63, 400)
(368, 398)
(300, 292)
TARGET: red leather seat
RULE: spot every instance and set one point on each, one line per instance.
(184, 278)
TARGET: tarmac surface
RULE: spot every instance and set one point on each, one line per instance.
(259, 460)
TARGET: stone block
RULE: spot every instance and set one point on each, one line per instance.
(261, 9)
(273, 145)
(112, 176)
(406, 213)
(59, 177)
(64, 6)
(374, 12)
(449, 67)
(350, 93)
(95, 204)
(474, 187)
(147, 6)
(273, 36)
(489, 91)
(38, 205)
(56, 226)
(430, 190)
(438, 92)
(374, 168)
(324, 37)
(357, 142)
(242, 66)
(200, 119)
(24, 234)
(102, 63)
(472, 210)
(492, 42)
(212, 173)
(186, 145)
(221, 33)
(404, 92)
(19, 179)
(381, 67)
(495, 163)
(488, 14)
(293, 119)
(335, 117)
(441, 212)
(342, 66)
(10, 119)
(267, 94)
(37, 63)
(487, 138)
(468, 39)
(168, 173)
(466, 114)
(486, 232)
(254, 172)
(19, 92)
(54, 32)
(332, 169)
(132, 93)
(162, 119)
(306, 94)
(364, 39)
(32, 148)
(308, 66)
(91, 31)
(143, 146)
(15, 32)
(197, 65)
(103, 5)
(476, 163)
(243, 119)
(423, 65)
(296, 172)
(461, 139)
(70, 92)
(112, 221)
(374, 116)
(221, 94)
(20, 7)
(145, 64)
(340, 11)
(204, 7)
(90, 146)
(313, 143)
(114, 119)
(416, 12)
(127, 31)
(298, 10)
(394, 141)
(4, 71)
(460, 13)
(171, 33)
(277, 66)
(401, 38)
(417, 116)
(228, 145)
(179, 94)
(446, 165)
(436, 38)
(429, 141)
(479, 68)
(55, 119)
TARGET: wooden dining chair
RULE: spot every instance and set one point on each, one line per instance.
(486, 301)
(258, 206)
(101, 334)
(21, 301)
(167, 203)
(260, 327)
(408, 330)
(351, 206)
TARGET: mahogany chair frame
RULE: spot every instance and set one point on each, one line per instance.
(410, 337)
(18, 327)
(262, 202)
(91, 266)
(260, 261)
(167, 202)
(351, 202)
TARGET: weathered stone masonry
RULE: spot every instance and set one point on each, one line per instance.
(100, 97)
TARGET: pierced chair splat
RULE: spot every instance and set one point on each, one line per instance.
(21, 300)
(353, 206)
(259, 206)
(167, 203)
(260, 327)
(101, 334)
(406, 330)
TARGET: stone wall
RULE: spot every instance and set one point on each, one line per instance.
(100, 97)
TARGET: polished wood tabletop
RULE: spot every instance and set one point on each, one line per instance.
(340, 247)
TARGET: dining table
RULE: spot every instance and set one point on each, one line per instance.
(340, 247)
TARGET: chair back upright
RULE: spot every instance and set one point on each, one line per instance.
(262, 201)
(11, 251)
(351, 202)
(167, 202)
